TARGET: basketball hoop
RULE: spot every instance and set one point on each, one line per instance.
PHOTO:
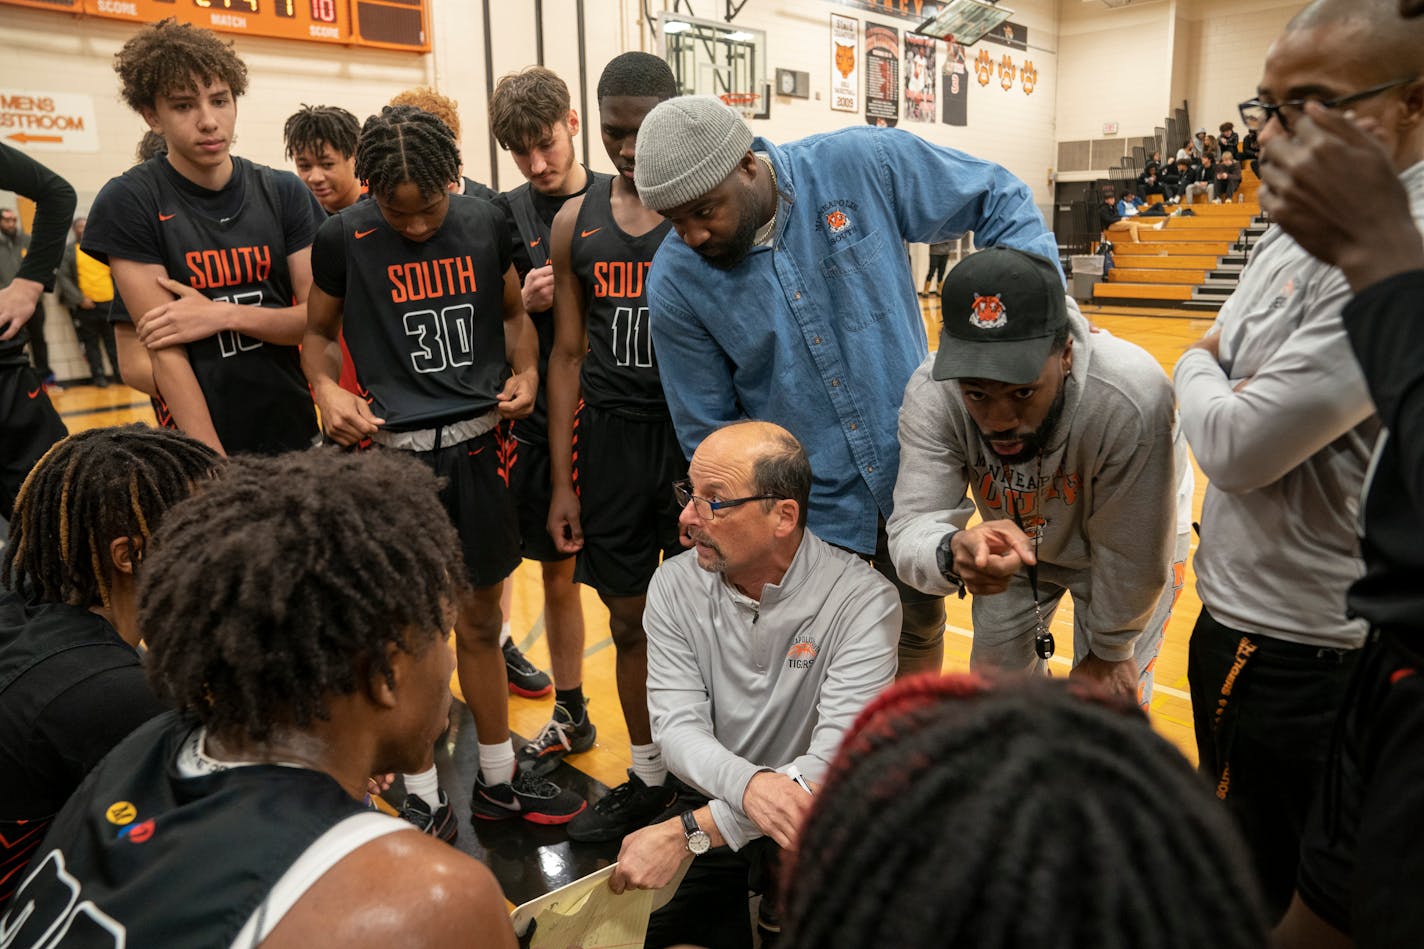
(744, 102)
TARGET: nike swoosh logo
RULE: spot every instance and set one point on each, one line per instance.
(476, 451)
(592, 230)
(536, 243)
(361, 234)
(166, 217)
(35, 394)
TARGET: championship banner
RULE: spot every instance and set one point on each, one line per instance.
(917, 10)
(882, 75)
(954, 86)
(845, 63)
(920, 78)
(1010, 34)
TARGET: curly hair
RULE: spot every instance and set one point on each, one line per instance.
(285, 583)
(150, 146)
(169, 57)
(637, 74)
(427, 99)
(313, 126)
(525, 106)
(403, 144)
(89, 490)
(1031, 814)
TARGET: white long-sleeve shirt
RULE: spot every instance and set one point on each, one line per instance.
(736, 685)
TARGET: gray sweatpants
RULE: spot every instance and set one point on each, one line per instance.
(1004, 622)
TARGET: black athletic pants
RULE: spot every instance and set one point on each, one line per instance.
(1264, 711)
(29, 425)
(39, 349)
(712, 905)
(95, 331)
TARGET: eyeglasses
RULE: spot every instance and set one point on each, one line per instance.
(705, 508)
(1256, 114)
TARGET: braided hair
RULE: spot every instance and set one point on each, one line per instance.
(89, 490)
(405, 144)
(285, 584)
(956, 814)
(312, 126)
(169, 56)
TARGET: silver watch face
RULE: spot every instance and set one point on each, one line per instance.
(698, 842)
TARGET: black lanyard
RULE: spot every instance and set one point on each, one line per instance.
(1043, 644)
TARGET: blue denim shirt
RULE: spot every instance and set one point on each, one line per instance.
(821, 331)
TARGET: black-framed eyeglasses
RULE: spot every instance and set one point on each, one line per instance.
(1256, 113)
(706, 508)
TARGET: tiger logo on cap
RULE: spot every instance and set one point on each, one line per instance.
(987, 312)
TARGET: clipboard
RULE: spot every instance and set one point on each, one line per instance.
(586, 913)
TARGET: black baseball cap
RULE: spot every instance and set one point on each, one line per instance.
(1002, 309)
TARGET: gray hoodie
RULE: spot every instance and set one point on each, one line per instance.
(1106, 508)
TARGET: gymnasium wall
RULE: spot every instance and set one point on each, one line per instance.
(1229, 40)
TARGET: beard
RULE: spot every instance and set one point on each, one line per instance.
(1032, 443)
(714, 561)
(732, 252)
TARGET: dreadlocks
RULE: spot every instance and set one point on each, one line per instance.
(313, 126)
(89, 490)
(1022, 816)
(403, 144)
(286, 582)
(637, 74)
(168, 56)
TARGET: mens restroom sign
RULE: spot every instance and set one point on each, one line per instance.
(48, 121)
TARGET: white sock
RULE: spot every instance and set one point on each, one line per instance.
(504, 635)
(425, 786)
(648, 764)
(497, 761)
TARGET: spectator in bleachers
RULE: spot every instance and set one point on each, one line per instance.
(1150, 181)
(962, 813)
(1250, 146)
(1210, 148)
(1129, 205)
(1199, 140)
(1189, 152)
(1227, 179)
(1107, 211)
(1228, 140)
(1202, 178)
(1176, 178)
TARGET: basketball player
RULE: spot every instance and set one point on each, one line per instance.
(28, 422)
(421, 283)
(525, 678)
(614, 507)
(71, 680)
(321, 140)
(210, 252)
(530, 116)
(240, 818)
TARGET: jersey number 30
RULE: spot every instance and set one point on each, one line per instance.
(443, 339)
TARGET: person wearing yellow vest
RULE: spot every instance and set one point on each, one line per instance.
(85, 286)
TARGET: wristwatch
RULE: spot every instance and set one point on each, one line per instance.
(697, 840)
(944, 560)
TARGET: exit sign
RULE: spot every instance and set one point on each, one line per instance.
(1109, 128)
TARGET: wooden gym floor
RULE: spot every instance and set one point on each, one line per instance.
(530, 860)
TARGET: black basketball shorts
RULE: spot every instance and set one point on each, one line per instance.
(624, 468)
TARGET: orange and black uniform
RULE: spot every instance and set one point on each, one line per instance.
(424, 323)
(231, 245)
(626, 451)
(529, 216)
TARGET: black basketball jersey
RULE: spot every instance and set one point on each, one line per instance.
(532, 216)
(620, 372)
(142, 855)
(424, 322)
(255, 390)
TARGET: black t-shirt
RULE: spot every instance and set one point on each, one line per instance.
(529, 215)
(424, 322)
(70, 690)
(620, 372)
(230, 244)
(151, 857)
(475, 189)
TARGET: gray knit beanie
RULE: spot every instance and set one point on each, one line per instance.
(686, 146)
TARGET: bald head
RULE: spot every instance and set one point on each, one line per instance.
(1386, 36)
(776, 461)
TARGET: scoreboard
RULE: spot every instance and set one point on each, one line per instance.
(387, 24)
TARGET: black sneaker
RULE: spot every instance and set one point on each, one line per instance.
(559, 737)
(533, 798)
(441, 824)
(524, 677)
(623, 810)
